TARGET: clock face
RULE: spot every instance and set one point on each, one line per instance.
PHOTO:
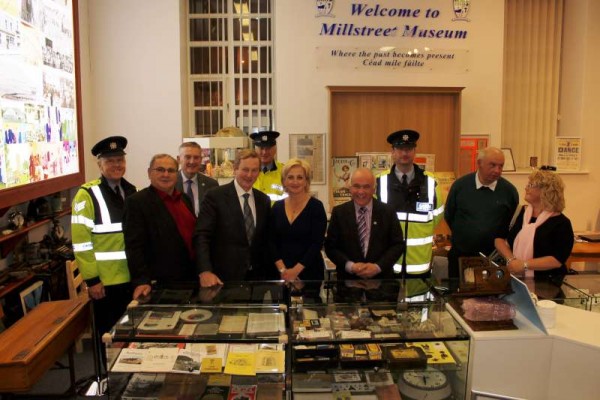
(428, 379)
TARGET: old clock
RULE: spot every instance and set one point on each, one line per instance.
(428, 383)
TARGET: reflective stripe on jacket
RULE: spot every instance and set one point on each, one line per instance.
(421, 223)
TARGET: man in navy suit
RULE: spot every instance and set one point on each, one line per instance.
(231, 232)
(364, 239)
(189, 179)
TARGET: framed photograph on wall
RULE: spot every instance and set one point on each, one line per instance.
(40, 100)
(509, 161)
(375, 161)
(311, 148)
(32, 296)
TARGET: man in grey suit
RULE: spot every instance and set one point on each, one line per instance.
(364, 239)
(231, 232)
(189, 179)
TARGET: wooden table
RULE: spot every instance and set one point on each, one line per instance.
(34, 343)
(584, 251)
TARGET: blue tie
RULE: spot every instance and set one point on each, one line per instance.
(248, 220)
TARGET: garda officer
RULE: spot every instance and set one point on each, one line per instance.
(97, 213)
(269, 178)
(413, 194)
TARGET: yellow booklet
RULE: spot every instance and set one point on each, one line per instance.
(270, 361)
(241, 364)
(211, 365)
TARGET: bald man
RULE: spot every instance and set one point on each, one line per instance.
(478, 205)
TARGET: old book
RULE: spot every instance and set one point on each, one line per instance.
(270, 361)
(242, 392)
(159, 322)
(240, 364)
(262, 324)
(187, 362)
(233, 324)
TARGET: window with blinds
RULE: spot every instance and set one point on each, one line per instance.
(230, 68)
(532, 52)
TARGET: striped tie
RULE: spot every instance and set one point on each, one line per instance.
(362, 229)
(248, 220)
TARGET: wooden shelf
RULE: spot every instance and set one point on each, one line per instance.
(8, 242)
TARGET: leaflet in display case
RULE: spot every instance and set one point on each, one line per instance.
(198, 351)
(376, 341)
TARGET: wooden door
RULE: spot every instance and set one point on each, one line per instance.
(363, 117)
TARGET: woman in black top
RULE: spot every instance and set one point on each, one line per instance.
(541, 240)
(297, 226)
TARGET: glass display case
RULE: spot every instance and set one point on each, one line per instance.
(588, 285)
(377, 339)
(187, 343)
(371, 339)
(560, 292)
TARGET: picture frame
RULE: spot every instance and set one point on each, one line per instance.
(41, 111)
(377, 162)
(311, 148)
(32, 296)
(509, 161)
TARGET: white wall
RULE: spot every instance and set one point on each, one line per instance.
(133, 83)
(132, 79)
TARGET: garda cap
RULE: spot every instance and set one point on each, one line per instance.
(111, 146)
(264, 138)
(404, 138)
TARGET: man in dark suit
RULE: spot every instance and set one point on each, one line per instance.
(189, 179)
(231, 233)
(364, 239)
(158, 225)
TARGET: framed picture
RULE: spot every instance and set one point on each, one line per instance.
(40, 107)
(509, 161)
(32, 296)
(311, 148)
(376, 162)
(342, 169)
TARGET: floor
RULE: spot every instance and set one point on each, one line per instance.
(56, 380)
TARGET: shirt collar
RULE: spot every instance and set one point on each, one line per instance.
(369, 207)
(478, 183)
(185, 178)
(409, 175)
(239, 190)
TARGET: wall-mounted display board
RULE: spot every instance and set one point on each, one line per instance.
(40, 107)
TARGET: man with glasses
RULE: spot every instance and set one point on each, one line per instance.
(479, 205)
(158, 225)
(98, 244)
(364, 239)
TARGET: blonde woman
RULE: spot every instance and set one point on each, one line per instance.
(297, 226)
(541, 239)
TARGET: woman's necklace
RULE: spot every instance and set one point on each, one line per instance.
(295, 208)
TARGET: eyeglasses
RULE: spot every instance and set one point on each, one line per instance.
(532, 186)
(162, 170)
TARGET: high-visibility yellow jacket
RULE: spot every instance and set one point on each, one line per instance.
(420, 203)
(96, 227)
(270, 183)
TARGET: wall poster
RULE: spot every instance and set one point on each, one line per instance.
(311, 148)
(342, 169)
(568, 153)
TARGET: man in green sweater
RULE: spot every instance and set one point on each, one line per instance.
(478, 205)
